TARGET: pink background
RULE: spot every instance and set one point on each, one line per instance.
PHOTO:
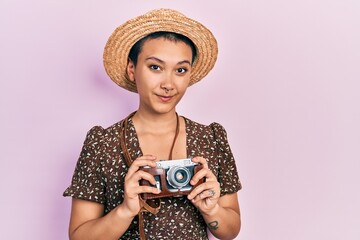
(286, 88)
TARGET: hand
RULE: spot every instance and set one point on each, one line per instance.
(205, 196)
(132, 188)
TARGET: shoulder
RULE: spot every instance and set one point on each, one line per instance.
(98, 135)
(213, 128)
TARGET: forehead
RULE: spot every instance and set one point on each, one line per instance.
(166, 47)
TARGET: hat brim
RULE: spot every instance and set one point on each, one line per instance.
(118, 46)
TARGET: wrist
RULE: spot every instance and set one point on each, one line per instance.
(211, 212)
(124, 212)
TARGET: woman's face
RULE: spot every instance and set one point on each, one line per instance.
(162, 74)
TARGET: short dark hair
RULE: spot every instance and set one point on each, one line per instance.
(136, 48)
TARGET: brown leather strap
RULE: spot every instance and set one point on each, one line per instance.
(141, 226)
(144, 206)
(123, 146)
(147, 208)
(175, 137)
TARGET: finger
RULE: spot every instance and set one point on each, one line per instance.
(132, 186)
(201, 160)
(143, 163)
(204, 187)
(210, 193)
(203, 173)
(148, 189)
(146, 158)
(139, 175)
(135, 190)
(139, 162)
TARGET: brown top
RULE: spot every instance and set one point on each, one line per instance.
(101, 169)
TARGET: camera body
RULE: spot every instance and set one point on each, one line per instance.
(172, 177)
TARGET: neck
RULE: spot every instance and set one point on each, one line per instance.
(155, 123)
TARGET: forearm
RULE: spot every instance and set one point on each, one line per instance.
(111, 226)
(223, 223)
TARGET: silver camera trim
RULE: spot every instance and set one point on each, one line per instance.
(172, 163)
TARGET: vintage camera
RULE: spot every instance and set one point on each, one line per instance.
(172, 178)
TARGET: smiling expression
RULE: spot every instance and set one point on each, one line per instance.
(162, 74)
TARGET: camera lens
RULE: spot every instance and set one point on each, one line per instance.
(178, 177)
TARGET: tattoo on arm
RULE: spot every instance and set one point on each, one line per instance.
(213, 225)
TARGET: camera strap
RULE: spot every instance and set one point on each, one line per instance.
(123, 126)
(144, 205)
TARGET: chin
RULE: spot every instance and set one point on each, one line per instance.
(164, 109)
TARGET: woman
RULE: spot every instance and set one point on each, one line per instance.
(158, 55)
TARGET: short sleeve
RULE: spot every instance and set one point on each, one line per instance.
(87, 180)
(228, 175)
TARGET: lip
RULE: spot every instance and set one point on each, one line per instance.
(164, 98)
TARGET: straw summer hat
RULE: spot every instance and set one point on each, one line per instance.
(117, 48)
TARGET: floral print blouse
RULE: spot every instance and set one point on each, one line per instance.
(101, 169)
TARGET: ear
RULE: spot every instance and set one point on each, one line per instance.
(130, 70)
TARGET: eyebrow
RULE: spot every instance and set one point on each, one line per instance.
(161, 61)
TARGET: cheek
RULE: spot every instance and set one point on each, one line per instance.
(183, 84)
(147, 82)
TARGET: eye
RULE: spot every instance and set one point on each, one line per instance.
(181, 70)
(154, 67)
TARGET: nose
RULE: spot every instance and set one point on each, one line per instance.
(167, 84)
(166, 89)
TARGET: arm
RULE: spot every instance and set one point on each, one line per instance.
(88, 220)
(224, 221)
(221, 214)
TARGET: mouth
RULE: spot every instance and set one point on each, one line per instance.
(164, 98)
